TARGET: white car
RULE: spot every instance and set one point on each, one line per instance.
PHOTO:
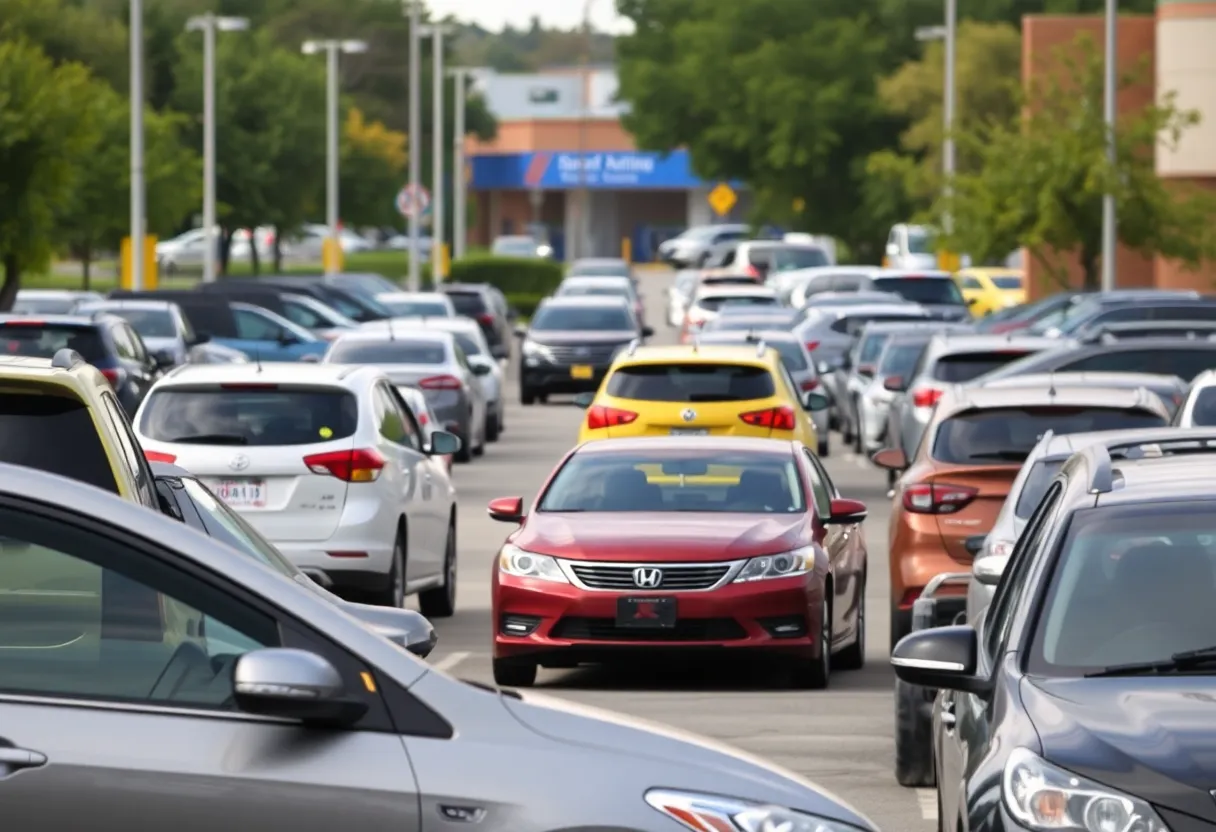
(1198, 409)
(472, 340)
(417, 304)
(327, 462)
(711, 298)
(52, 301)
(679, 294)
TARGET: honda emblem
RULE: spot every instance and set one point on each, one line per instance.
(646, 577)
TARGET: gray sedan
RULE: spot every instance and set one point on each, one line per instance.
(166, 680)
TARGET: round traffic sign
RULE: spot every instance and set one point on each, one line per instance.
(409, 195)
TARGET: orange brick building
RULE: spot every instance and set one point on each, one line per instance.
(1177, 44)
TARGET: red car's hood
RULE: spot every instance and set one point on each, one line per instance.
(684, 536)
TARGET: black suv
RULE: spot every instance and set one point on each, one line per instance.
(488, 306)
(1081, 697)
(353, 304)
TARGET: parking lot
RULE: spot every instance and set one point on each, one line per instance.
(841, 738)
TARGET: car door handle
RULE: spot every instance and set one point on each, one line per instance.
(947, 715)
(19, 758)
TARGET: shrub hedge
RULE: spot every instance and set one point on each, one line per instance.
(525, 303)
(512, 275)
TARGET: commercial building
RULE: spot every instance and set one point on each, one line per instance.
(562, 164)
(1170, 52)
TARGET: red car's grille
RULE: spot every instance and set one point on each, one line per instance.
(671, 576)
(686, 629)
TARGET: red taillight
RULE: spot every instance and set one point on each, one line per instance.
(608, 417)
(422, 418)
(909, 598)
(249, 386)
(752, 271)
(926, 396)
(440, 383)
(112, 376)
(25, 322)
(774, 418)
(810, 384)
(158, 456)
(485, 319)
(937, 498)
(811, 345)
(359, 465)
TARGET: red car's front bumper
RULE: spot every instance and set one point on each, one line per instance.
(561, 624)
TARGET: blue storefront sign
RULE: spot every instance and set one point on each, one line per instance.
(604, 170)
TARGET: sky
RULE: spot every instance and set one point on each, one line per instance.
(564, 14)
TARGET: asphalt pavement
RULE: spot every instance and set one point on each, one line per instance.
(841, 738)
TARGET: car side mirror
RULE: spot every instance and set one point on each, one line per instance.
(480, 369)
(894, 384)
(443, 443)
(164, 359)
(405, 628)
(813, 401)
(293, 684)
(988, 570)
(521, 332)
(647, 332)
(287, 339)
(941, 657)
(500, 351)
(893, 459)
(975, 544)
(845, 512)
(507, 509)
(866, 370)
(584, 400)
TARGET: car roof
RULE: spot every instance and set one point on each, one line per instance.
(411, 324)
(928, 274)
(642, 444)
(694, 353)
(479, 288)
(132, 303)
(965, 343)
(755, 335)
(991, 271)
(957, 399)
(56, 293)
(735, 290)
(585, 301)
(439, 296)
(1065, 445)
(911, 310)
(929, 327)
(603, 279)
(391, 332)
(278, 372)
(1084, 379)
(53, 320)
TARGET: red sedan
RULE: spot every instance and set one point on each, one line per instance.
(676, 544)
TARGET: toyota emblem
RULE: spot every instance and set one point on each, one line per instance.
(647, 578)
(689, 415)
(239, 462)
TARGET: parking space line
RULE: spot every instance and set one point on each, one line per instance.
(448, 663)
(927, 798)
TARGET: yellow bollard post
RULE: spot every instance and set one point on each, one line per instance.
(331, 255)
(151, 274)
(627, 249)
(124, 264)
(445, 263)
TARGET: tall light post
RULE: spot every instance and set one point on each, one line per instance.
(947, 33)
(414, 9)
(460, 232)
(332, 48)
(437, 32)
(1110, 228)
(582, 220)
(209, 24)
(138, 209)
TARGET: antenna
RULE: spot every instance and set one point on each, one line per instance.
(257, 359)
(1051, 385)
(392, 336)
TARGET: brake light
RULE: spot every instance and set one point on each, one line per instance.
(926, 396)
(752, 271)
(810, 384)
(248, 386)
(112, 376)
(25, 322)
(909, 598)
(359, 465)
(937, 498)
(811, 345)
(159, 456)
(440, 383)
(599, 417)
(485, 319)
(773, 418)
(422, 419)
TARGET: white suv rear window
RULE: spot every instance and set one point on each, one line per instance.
(252, 415)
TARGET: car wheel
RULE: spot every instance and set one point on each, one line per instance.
(526, 396)
(913, 743)
(480, 448)
(861, 443)
(825, 444)
(393, 594)
(512, 673)
(814, 674)
(492, 428)
(502, 417)
(440, 602)
(543, 398)
(465, 454)
(853, 657)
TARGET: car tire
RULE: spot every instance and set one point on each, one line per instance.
(814, 674)
(913, 740)
(512, 673)
(853, 657)
(492, 428)
(543, 398)
(526, 396)
(440, 602)
(465, 454)
(825, 444)
(861, 443)
(502, 417)
(393, 594)
(480, 448)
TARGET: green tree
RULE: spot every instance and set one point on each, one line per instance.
(96, 215)
(373, 166)
(1040, 180)
(70, 32)
(46, 130)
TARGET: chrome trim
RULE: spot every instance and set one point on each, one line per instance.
(139, 708)
(926, 664)
(733, 569)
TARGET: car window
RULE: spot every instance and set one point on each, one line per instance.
(300, 314)
(469, 304)
(122, 342)
(1194, 312)
(821, 489)
(941, 290)
(1037, 480)
(40, 340)
(1002, 435)
(1000, 610)
(389, 420)
(1007, 283)
(395, 351)
(958, 368)
(226, 525)
(131, 452)
(971, 283)
(712, 303)
(411, 422)
(691, 382)
(871, 347)
(581, 319)
(792, 355)
(1203, 408)
(676, 481)
(251, 326)
(55, 434)
(851, 323)
(94, 618)
(412, 308)
(469, 344)
(257, 415)
(149, 323)
(787, 259)
(899, 359)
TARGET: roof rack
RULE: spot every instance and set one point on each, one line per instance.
(1172, 441)
(761, 348)
(66, 359)
(1165, 329)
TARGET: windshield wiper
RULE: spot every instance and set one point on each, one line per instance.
(1177, 663)
(211, 439)
(1012, 456)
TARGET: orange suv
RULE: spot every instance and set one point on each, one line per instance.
(951, 491)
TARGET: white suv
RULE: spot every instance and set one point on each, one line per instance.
(327, 461)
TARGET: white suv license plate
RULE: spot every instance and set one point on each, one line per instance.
(690, 431)
(242, 493)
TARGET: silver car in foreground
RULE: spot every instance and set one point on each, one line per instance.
(166, 680)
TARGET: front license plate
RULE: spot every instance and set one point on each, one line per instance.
(690, 431)
(645, 612)
(242, 493)
(582, 371)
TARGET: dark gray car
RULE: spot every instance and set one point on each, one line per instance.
(169, 680)
(935, 291)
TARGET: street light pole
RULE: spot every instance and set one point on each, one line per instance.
(209, 24)
(436, 32)
(138, 208)
(459, 185)
(1110, 229)
(582, 221)
(948, 113)
(415, 84)
(332, 48)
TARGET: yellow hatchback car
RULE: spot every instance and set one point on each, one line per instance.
(694, 390)
(989, 290)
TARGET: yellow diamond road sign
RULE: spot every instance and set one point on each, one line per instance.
(722, 199)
